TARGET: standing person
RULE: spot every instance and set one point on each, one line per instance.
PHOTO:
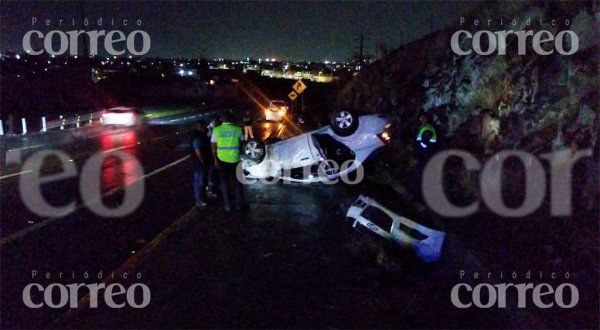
(216, 121)
(226, 145)
(426, 139)
(200, 155)
(425, 144)
(212, 172)
(248, 126)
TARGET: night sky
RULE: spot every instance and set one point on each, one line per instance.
(285, 30)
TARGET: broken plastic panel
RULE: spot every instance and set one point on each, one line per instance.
(368, 215)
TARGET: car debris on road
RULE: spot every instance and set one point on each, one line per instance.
(370, 217)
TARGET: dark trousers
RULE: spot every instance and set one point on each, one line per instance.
(230, 184)
(199, 183)
(212, 178)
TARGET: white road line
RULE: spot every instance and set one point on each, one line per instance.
(166, 167)
(104, 151)
(118, 148)
(24, 148)
(50, 220)
(14, 174)
(160, 138)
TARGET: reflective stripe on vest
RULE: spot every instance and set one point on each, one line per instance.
(228, 142)
(427, 127)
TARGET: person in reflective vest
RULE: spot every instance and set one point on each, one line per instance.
(425, 145)
(427, 136)
(226, 144)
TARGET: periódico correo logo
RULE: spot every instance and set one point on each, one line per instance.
(115, 295)
(115, 42)
(543, 42)
(496, 42)
(543, 295)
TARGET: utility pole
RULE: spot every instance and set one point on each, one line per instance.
(360, 57)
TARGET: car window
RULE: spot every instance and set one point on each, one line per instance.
(333, 149)
(378, 217)
(412, 232)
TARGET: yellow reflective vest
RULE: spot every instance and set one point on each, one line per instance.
(228, 137)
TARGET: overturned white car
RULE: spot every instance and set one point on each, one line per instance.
(323, 154)
(369, 217)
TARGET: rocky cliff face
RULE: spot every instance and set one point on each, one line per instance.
(486, 103)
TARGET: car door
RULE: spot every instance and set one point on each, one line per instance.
(295, 152)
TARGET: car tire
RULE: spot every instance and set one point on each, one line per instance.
(254, 150)
(344, 122)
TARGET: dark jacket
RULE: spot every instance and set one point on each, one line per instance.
(204, 146)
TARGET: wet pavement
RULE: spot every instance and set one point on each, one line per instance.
(82, 241)
(290, 260)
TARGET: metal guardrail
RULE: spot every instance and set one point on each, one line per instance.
(60, 123)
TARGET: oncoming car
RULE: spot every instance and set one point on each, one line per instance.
(276, 110)
(323, 154)
(369, 217)
(122, 116)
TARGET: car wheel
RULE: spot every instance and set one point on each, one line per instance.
(254, 150)
(344, 122)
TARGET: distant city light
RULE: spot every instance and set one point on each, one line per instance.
(18, 57)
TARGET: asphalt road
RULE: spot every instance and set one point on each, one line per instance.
(291, 260)
(82, 240)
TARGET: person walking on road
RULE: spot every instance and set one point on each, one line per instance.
(200, 155)
(248, 126)
(226, 144)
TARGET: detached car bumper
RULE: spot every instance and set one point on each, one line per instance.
(426, 242)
